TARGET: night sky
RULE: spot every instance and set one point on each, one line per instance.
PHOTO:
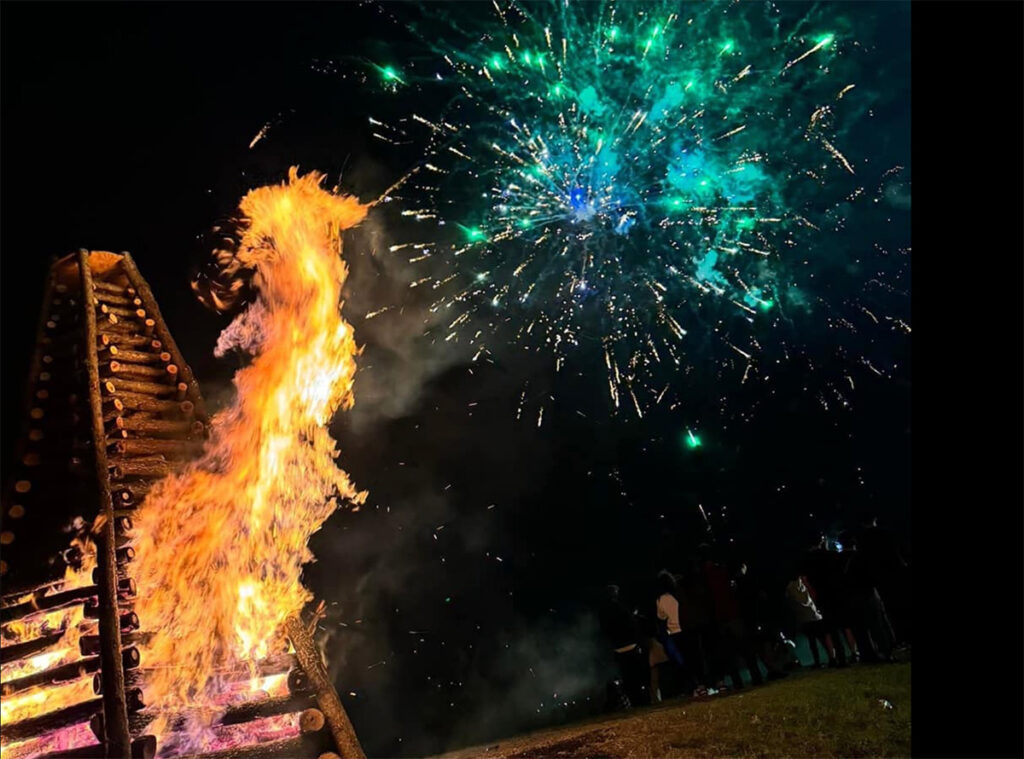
(460, 596)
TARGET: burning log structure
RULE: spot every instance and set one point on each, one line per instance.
(113, 407)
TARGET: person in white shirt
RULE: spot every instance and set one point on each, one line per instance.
(668, 614)
(809, 619)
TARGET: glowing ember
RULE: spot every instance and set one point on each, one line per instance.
(220, 545)
(75, 736)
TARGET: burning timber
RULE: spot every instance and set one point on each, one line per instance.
(112, 408)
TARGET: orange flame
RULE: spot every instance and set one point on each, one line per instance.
(72, 621)
(220, 546)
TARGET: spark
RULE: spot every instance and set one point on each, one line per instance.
(259, 136)
(823, 42)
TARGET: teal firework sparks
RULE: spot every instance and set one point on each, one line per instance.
(635, 177)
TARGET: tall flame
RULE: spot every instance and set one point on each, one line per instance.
(220, 545)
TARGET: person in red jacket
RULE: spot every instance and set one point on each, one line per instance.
(728, 622)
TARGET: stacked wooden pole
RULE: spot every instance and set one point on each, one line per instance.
(111, 393)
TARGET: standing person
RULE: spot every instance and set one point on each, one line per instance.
(728, 625)
(808, 620)
(695, 618)
(667, 610)
(619, 625)
(823, 573)
(750, 600)
(840, 621)
(656, 657)
(871, 625)
(885, 567)
(776, 650)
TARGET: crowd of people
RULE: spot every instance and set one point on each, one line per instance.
(701, 626)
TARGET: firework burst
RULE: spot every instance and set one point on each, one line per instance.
(640, 184)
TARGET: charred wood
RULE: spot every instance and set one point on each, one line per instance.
(54, 676)
(29, 647)
(59, 600)
(141, 748)
(66, 717)
(305, 745)
(89, 645)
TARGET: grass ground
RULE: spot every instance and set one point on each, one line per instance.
(825, 713)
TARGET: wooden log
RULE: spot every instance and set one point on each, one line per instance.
(91, 610)
(149, 303)
(111, 325)
(29, 647)
(36, 604)
(149, 404)
(114, 697)
(144, 372)
(114, 288)
(141, 748)
(290, 748)
(54, 676)
(123, 312)
(153, 446)
(133, 678)
(117, 387)
(271, 707)
(277, 664)
(114, 409)
(158, 427)
(45, 723)
(298, 683)
(129, 341)
(327, 699)
(138, 357)
(141, 466)
(311, 720)
(116, 300)
(125, 585)
(234, 715)
(131, 319)
(89, 645)
(133, 493)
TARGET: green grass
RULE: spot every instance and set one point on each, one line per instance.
(832, 713)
